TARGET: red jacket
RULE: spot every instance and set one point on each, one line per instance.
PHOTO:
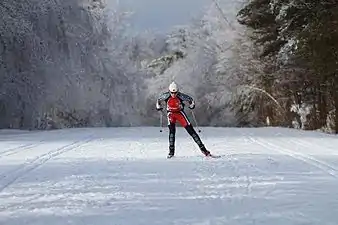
(174, 104)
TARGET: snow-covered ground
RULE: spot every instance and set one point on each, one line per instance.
(99, 176)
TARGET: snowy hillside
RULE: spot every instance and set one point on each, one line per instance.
(269, 176)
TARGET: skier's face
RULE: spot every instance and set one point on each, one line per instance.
(173, 94)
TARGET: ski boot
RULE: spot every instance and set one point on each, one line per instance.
(170, 156)
(171, 152)
(205, 151)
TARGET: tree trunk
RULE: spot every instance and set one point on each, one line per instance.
(322, 106)
(335, 97)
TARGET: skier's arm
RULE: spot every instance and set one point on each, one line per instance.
(163, 97)
(189, 99)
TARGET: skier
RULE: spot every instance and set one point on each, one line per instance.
(175, 112)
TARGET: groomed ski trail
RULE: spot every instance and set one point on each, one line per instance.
(122, 176)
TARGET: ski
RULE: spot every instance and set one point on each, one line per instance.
(214, 156)
(207, 156)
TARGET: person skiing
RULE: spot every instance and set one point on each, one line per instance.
(174, 101)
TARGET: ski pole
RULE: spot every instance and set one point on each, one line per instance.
(161, 121)
(193, 115)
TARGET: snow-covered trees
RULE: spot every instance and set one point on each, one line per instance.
(63, 62)
(72, 63)
(198, 58)
(295, 42)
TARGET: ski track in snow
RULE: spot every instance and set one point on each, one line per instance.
(121, 176)
(329, 169)
(10, 177)
(15, 150)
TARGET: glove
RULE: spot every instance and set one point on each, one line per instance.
(158, 106)
(192, 105)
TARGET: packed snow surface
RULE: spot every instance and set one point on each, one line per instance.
(270, 176)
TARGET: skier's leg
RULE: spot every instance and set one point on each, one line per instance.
(183, 119)
(197, 139)
(172, 132)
